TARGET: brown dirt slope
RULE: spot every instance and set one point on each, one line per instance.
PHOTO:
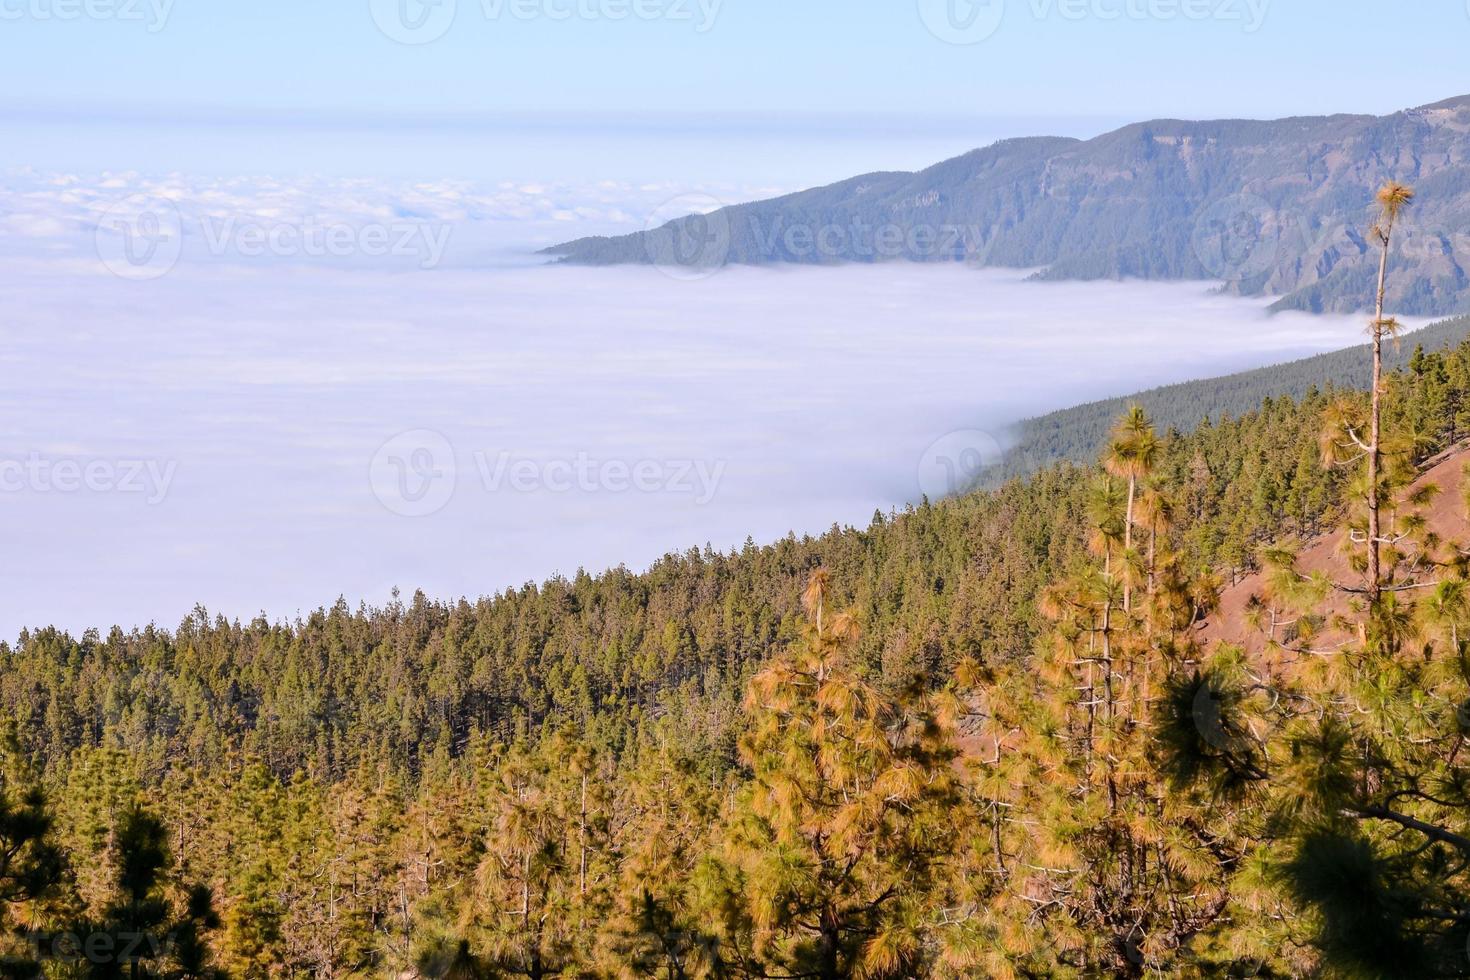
(1232, 621)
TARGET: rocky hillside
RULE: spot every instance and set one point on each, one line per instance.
(1267, 208)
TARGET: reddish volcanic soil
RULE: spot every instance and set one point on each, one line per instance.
(1444, 515)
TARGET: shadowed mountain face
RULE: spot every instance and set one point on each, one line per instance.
(1269, 208)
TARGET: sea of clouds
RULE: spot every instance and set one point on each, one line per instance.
(345, 222)
(266, 427)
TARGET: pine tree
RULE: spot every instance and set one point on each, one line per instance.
(541, 891)
(666, 815)
(832, 848)
(1132, 455)
(1392, 199)
(31, 864)
(1366, 836)
(155, 926)
(1109, 869)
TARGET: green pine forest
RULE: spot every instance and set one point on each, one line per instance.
(977, 738)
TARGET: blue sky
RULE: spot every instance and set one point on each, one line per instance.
(768, 56)
(831, 82)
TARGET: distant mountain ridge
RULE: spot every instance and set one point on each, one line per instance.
(1267, 207)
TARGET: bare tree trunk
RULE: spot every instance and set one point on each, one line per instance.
(1128, 545)
(582, 840)
(828, 946)
(1374, 569)
(1091, 695)
(1112, 712)
(526, 886)
(1153, 546)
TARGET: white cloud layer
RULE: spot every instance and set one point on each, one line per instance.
(480, 222)
(268, 434)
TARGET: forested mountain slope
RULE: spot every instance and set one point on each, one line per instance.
(1268, 207)
(623, 775)
(343, 685)
(1080, 433)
